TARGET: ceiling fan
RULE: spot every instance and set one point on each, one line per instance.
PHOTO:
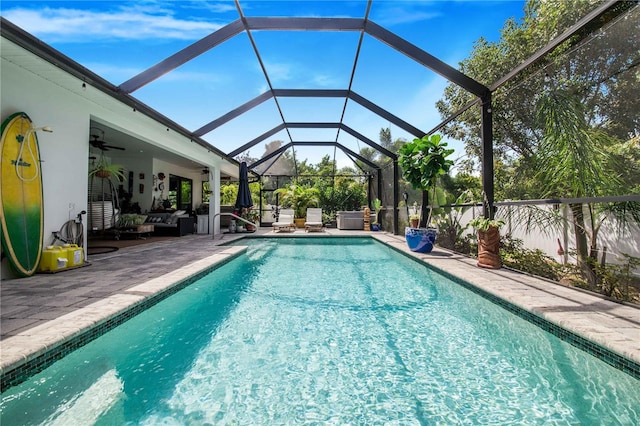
(99, 143)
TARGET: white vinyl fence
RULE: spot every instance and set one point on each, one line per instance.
(549, 238)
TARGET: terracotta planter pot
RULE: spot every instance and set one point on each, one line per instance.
(103, 174)
(489, 248)
(415, 223)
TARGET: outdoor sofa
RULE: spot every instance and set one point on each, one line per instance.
(178, 223)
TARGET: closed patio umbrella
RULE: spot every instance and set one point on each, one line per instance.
(244, 194)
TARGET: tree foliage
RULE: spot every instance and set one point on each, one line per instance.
(423, 162)
(567, 126)
(598, 68)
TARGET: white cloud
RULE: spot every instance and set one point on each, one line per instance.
(399, 13)
(117, 74)
(262, 88)
(136, 23)
(279, 71)
(214, 6)
(324, 80)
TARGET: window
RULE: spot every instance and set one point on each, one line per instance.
(180, 191)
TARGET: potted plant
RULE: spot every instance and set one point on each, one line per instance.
(103, 208)
(488, 241)
(423, 161)
(298, 198)
(253, 216)
(414, 216)
(377, 206)
(105, 170)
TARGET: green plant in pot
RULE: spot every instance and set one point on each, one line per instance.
(414, 216)
(423, 162)
(105, 170)
(488, 241)
(298, 198)
(377, 206)
(252, 215)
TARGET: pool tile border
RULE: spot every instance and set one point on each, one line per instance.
(136, 299)
(607, 355)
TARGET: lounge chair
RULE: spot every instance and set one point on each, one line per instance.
(285, 221)
(314, 220)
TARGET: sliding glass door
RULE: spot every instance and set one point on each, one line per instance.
(180, 193)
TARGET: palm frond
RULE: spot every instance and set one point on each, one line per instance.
(533, 219)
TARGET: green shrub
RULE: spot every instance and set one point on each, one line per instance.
(535, 262)
(131, 219)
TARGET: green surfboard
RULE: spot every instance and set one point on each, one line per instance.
(21, 201)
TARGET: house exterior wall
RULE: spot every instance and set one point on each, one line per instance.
(64, 153)
(64, 163)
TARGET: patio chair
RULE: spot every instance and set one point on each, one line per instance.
(314, 220)
(285, 221)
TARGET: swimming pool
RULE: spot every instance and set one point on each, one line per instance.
(325, 331)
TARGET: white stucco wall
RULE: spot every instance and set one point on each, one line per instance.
(65, 152)
(64, 159)
(167, 169)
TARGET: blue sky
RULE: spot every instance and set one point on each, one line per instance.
(119, 39)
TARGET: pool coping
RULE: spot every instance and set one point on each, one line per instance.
(604, 334)
(33, 350)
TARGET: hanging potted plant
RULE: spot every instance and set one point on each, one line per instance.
(423, 161)
(488, 241)
(105, 170)
(103, 208)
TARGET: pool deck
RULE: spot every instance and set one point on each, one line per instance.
(44, 311)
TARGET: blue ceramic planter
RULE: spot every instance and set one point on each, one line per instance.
(420, 240)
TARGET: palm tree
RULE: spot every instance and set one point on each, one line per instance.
(572, 163)
(298, 197)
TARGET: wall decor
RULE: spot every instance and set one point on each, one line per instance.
(141, 176)
(130, 182)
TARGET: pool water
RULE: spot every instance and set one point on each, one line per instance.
(325, 331)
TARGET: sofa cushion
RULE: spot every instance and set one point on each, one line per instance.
(157, 219)
(173, 218)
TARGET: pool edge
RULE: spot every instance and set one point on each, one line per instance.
(43, 345)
